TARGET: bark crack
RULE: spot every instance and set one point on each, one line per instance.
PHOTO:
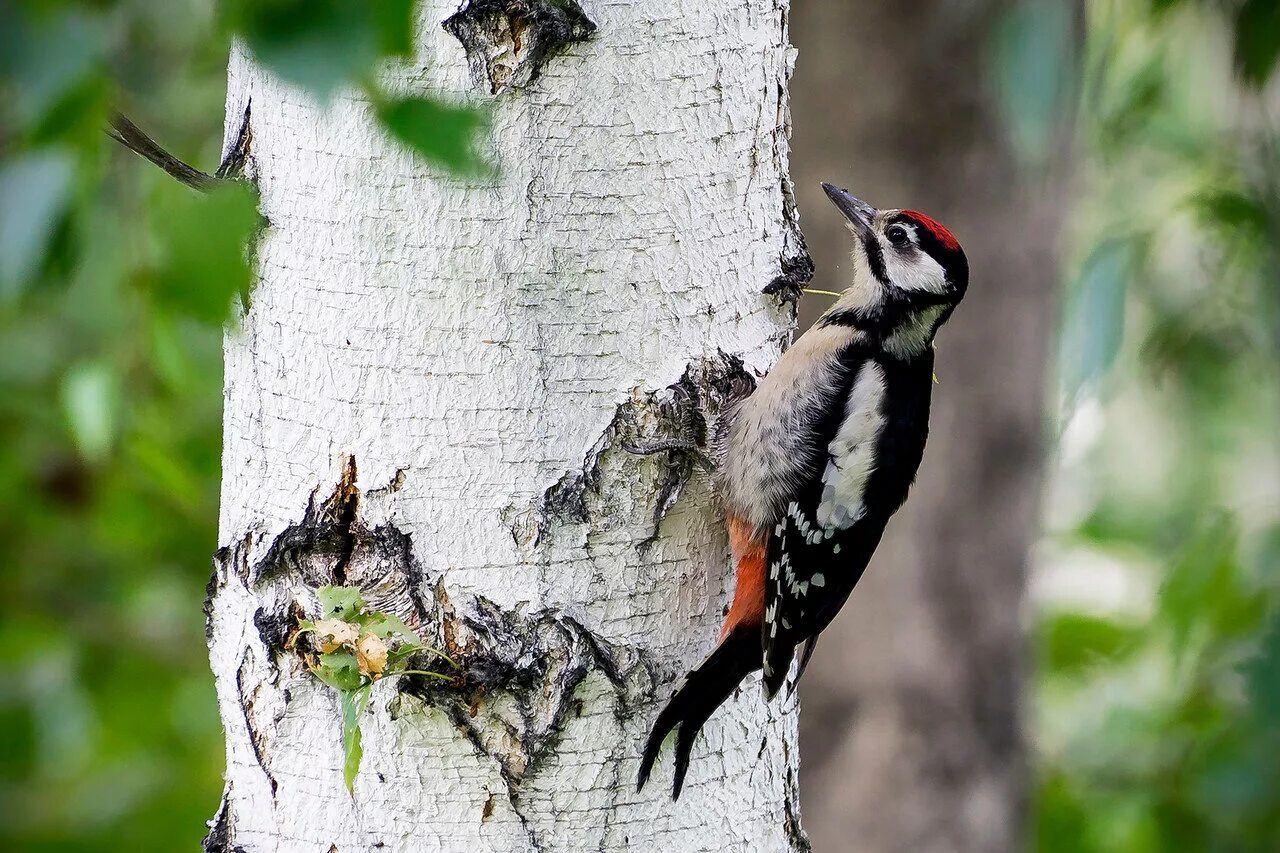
(234, 164)
(795, 261)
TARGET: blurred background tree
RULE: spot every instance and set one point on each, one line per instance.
(913, 708)
(1155, 707)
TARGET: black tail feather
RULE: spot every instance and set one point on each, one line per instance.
(809, 645)
(704, 690)
(777, 660)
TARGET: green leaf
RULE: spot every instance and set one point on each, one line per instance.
(442, 133)
(354, 703)
(1205, 592)
(1035, 71)
(1231, 210)
(1062, 816)
(1070, 643)
(1258, 39)
(339, 670)
(340, 602)
(394, 20)
(34, 191)
(204, 245)
(1262, 675)
(385, 625)
(90, 398)
(1095, 315)
(322, 44)
(43, 57)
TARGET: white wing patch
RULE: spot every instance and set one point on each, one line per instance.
(852, 452)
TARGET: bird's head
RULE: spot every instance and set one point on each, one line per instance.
(909, 273)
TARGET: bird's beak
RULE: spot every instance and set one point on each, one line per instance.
(857, 211)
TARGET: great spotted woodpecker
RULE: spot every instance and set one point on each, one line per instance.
(812, 464)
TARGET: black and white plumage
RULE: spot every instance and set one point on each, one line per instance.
(812, 465)
(824, 538)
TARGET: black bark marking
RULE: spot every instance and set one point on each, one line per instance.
(796, 263)
(534, 663)
(565, 501)
(221, 836)
(333, 545)
(274, 628)
(234, 163)
(343, 506)
(224, 559)
(257, 739)
(220, 558)
(394, 485)
(508, 41)
(791, 815)
(797, 271)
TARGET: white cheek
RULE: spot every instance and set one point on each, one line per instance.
(916, 271)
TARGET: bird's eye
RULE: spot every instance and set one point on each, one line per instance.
(897, 235)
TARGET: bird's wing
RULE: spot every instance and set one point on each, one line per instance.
(824, 537)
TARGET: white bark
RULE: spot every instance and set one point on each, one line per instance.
(470, 345)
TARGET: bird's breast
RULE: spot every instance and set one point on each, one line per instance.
(774, 444)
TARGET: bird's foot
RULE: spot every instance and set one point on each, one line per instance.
(686, 446)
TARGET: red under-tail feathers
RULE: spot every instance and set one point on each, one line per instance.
(738, 655)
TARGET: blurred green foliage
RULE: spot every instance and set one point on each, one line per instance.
(1157, 704)
(110, 372)
(115, 283)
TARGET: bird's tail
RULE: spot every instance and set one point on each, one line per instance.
(704, 690)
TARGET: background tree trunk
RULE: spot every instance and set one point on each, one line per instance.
(428, 398)
(911, 734)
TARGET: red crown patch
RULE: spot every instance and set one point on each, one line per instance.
(936, 228)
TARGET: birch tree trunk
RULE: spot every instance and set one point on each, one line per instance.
(429, 398)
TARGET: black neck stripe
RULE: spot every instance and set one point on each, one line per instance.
(875, 260)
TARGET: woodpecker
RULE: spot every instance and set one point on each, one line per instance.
(811, 465)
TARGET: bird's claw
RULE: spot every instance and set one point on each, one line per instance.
(670, 445)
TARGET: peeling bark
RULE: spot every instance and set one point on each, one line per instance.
(518, 672)
(432, 397)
